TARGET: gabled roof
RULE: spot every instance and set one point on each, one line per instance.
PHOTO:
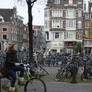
(6, 14)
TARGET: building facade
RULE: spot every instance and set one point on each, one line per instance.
(63, 24)
(11, 27)
(38, 39)
(25, 37)
(88, 20)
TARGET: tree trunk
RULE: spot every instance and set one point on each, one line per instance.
(30, 19)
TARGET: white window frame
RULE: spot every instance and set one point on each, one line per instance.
(46, 14)
(70, 24)
(4, 27)
(71, 35)
(86, 24)
(86, 16)
(70, 13)
(57, 33)
(46, 24)
(6, 36)
(79, 24)
(57, 2)
(79, 13)
(70, 2)
(79, 2)
(57, 23)
(57, 13)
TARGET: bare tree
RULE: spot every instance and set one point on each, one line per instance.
(30, 4)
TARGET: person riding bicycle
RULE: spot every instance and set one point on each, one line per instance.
(10, 64)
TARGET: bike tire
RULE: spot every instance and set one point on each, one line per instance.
(35, 85)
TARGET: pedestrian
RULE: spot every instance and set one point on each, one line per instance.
(10, 64)
(81, 71)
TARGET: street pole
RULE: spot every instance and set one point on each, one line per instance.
(83, 35)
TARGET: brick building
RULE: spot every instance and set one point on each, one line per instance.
(63, 24)
(11, 27)
(25, 37)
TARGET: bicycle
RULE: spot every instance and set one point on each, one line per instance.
(33, 83)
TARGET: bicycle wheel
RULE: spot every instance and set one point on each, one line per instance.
(35, 85)
(60, 75)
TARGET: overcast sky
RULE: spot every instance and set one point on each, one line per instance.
(38, 10)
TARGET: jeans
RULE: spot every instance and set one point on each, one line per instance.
(12, 73)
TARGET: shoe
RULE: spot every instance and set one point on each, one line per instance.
(21, 81)
(12, 89)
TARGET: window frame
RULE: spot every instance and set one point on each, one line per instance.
(3, 36)
(3, 28)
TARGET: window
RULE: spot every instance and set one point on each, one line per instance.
(62, 2)
(0, 19)
(46, 14)
(86, 24)
(90, 16)
(71, 13)
(79, 35)
(70, 2)
(80, 1)
(79, 13)
(71, 24)
(86, 16)
(57, 13)
(57, 1)
(56, 35)
(56, 24)
(79, 24)
(70, 35)
(46, 24)
(47, 35)
(87, 42)
(4, 37)
(4, 29)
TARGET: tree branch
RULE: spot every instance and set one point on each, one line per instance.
(34, 1)
(27, 1)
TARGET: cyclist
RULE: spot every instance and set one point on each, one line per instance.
(10, 64)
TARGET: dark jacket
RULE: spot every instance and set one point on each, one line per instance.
(11, 59)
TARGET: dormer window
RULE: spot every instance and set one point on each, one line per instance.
(1, 19)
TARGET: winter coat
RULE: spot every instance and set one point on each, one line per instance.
(11, 59)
